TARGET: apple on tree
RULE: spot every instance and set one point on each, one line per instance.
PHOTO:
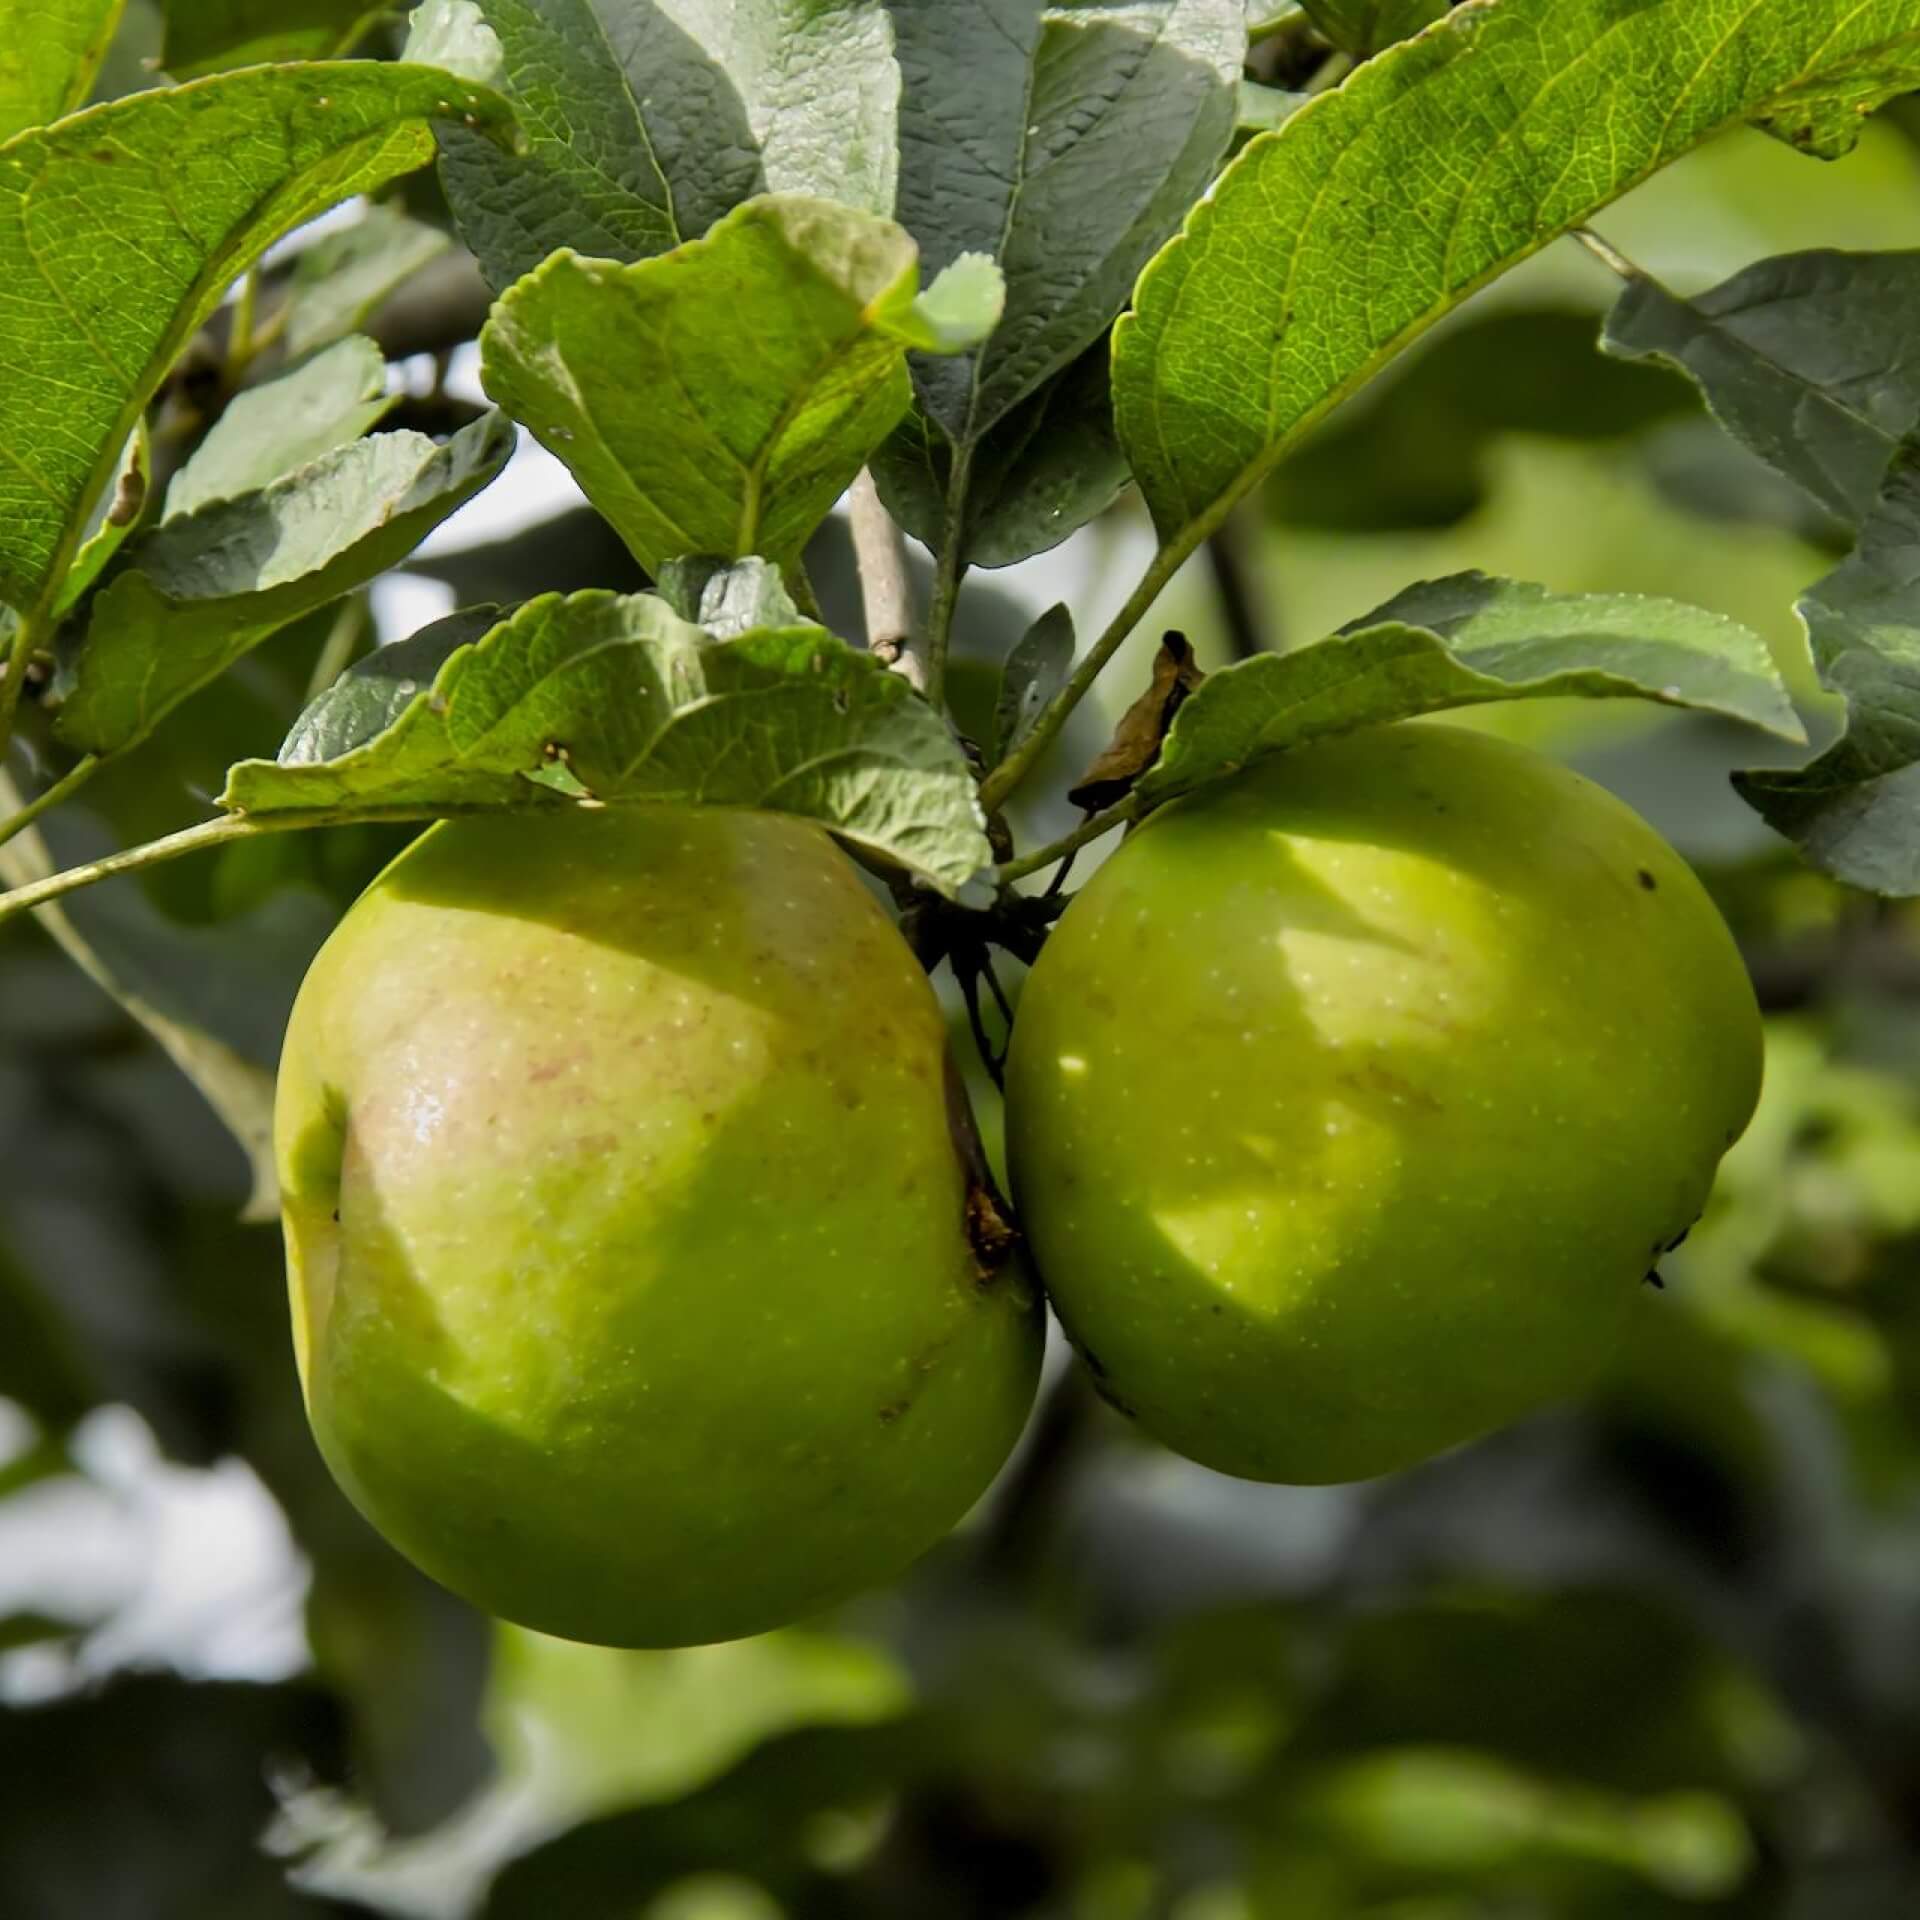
(1352, 1100)
(627, 1199)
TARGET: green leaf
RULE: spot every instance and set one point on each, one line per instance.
(1044, 470)
(1855, 810)
(49, 52)
(1810, 360)
(648, 121)
(269, 431)
(727, 599)
(1329, 245)
(196, 593)
(619, 699)
(204, 36)
(192, 184)
(1036, 670)
(1368, 26)
(114, 516)
(720, 399)
(1266, 17)
(1464, 642)
(1065, 142)
(342, 280)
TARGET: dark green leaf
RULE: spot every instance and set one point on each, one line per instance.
(720, 399)
(196, 593)
(193, 184)
(270, 431)
(1065, 142)
(1855, 811)
(49, 52)
(1044, 471)
(647, 122)
(1329, 245)
(1463, 642)
(1811, 360)
(728, 598)
(1037, 669)
(373, 693)
(203, 36)
(342, 280)
(1366, 26)
(621, 700)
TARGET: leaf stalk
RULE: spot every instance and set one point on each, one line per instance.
(1092, 828)
(62, 789)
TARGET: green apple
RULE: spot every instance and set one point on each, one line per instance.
(1352, 1100)
(627, 1215)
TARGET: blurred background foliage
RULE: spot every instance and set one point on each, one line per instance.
(1651, 1657)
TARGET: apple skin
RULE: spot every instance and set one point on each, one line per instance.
(632, 1292)
(1352, 1100)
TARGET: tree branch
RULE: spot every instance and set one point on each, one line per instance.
(886, 591)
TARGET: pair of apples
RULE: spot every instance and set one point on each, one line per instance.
(628, 1186)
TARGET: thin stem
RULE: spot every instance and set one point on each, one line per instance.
(241, 346)
(1329, 73)
(13, 678)
(209, 833)
(1608, 255)
(970, 994)
(886, 590)
(1019, 763)
(800, 585)
(949, 568)
(336, 654)
(1090, 828)
(64, 788)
